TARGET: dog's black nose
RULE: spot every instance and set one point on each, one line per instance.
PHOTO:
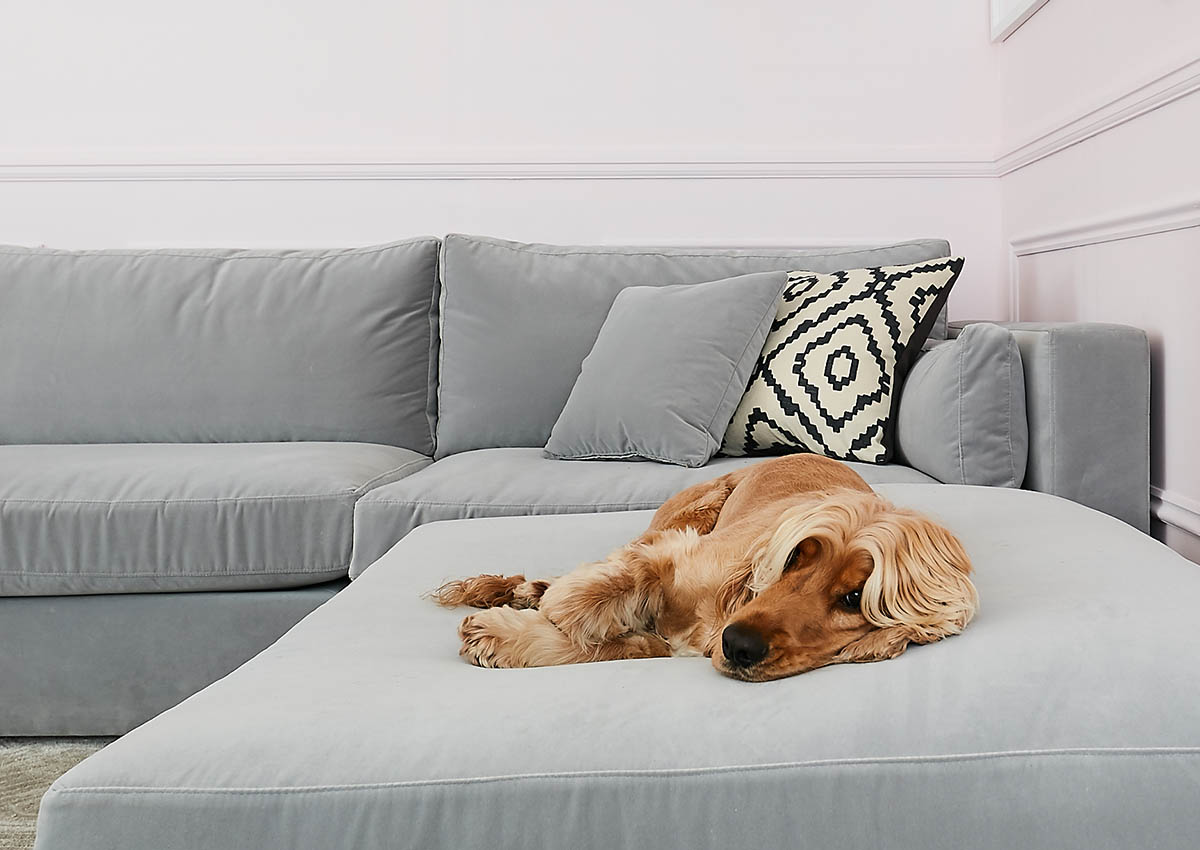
(742, 646)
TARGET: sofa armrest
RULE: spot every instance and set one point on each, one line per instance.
(1087, 397)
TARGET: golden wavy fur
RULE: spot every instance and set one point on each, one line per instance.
(779, 568)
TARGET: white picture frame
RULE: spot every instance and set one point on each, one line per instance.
(1007, 15)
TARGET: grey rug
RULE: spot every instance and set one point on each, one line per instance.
(28, 766)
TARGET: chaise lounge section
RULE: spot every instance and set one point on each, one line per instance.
(1056, 720)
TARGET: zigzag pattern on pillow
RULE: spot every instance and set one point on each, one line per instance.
(829, 374)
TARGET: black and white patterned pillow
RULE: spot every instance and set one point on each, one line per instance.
(829, 375)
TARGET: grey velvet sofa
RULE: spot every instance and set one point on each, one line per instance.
(199, 448)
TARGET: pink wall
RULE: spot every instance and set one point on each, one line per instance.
(498, 78)
(309, 123)
(1101, 201)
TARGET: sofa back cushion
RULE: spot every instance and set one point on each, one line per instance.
(181, 346)
(517, 320)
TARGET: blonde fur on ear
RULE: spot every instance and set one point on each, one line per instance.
(920, 581)
(830, 519)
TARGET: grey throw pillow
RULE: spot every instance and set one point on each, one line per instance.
(962, 410)
(667, 371)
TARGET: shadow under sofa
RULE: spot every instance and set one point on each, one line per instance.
(198, 447)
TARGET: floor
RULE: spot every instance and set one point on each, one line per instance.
(28, 766)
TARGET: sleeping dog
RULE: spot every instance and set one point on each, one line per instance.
(775, 569)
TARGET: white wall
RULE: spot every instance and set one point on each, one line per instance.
(306, 122)
(1102, 201)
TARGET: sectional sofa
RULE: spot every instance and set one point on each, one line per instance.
(198, 448)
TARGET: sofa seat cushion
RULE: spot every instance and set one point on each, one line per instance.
(158, 517)
(1063, 717)
(517, 482)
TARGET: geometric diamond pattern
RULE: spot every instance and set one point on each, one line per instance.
(841, 368)
(828, 377)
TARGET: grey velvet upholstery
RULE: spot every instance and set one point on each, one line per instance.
(1087, 392)
(246, 420)
(101, 665)
(1056, 720)
(517, 482)
(667, 371)
(180, 346)
(517, 320)
(961, 417)
(159, 517)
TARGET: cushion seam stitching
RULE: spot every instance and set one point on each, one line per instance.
(1008, 430)
(616, 456)
(367, 485)
(228, 573)
(640, 773)
(650, 252)
(168, 501)
(636, 505)
(962, 464)
(332, 253)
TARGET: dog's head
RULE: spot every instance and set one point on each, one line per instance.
(846, 577)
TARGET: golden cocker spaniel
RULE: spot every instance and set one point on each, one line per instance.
(775, 569)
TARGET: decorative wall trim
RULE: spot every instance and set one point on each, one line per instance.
(961, 162)
(1014, 285)
(334, 168)
(1158, 219)
(1168, 507)
(1176, 510)
(1171, 86)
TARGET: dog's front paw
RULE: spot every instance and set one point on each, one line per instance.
(482, 643)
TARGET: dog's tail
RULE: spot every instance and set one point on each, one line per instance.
(490, 591)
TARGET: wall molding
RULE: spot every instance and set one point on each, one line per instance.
(1168, 507)
(1179, 82)
(1161, 218)
(286, 164)
(347, 165)
(1176, 510)
(1164, 218)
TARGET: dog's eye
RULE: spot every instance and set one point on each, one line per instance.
(852, 600)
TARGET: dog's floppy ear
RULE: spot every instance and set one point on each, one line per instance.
(698, 506)
(764, 562)
(802, 530)
(735, 591)
(920, 583)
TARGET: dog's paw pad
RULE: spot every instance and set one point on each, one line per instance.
(479, 645)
